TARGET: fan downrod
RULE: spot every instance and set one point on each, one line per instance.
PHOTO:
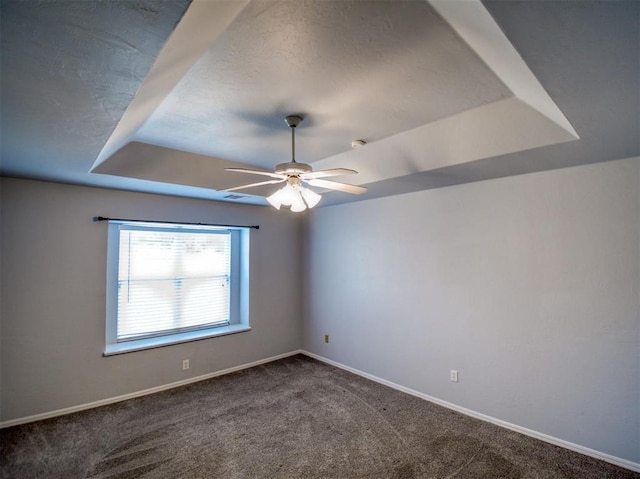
(293, 168)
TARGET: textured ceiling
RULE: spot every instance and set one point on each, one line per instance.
(329, 61)
(161, 95)
(69, 70)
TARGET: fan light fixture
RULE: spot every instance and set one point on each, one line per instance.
(293, 174)
(293, 194)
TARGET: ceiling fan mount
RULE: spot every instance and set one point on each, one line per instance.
(294, 174)
(293, 120)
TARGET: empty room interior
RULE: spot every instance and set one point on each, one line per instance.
(277, 238)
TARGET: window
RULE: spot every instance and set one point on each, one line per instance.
(170, 283)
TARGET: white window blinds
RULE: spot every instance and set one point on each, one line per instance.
(172, 280)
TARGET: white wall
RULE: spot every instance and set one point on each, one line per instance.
(53, 284)
(528, 285)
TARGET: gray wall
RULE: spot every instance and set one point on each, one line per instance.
(528, 285)
(52, 300)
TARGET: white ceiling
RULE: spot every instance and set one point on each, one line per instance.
(327, 60)
(160, 96)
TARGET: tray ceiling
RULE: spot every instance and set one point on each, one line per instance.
(162, 96)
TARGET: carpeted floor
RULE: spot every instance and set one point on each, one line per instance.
(293, 418)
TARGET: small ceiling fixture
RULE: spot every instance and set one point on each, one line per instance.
(294, 194)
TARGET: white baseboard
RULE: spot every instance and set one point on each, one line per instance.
(634, 466)
(144, 392)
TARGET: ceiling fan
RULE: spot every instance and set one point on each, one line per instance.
(294, 174)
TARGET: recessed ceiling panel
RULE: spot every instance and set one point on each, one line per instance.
(355, 69)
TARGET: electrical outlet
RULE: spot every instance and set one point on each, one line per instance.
(454, 375)
(185, 364)
(326, 338)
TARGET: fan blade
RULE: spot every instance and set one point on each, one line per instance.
(334, 185)
(325, 173)
(257, 172)
(270, 182)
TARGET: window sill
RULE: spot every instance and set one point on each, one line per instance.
(159, 342)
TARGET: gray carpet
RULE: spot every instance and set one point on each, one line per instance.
(293, 418)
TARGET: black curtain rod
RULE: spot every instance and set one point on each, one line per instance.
(103, 218)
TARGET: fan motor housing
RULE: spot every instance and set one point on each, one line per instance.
(293, 168)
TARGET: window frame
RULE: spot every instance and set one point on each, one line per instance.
(239, 287)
